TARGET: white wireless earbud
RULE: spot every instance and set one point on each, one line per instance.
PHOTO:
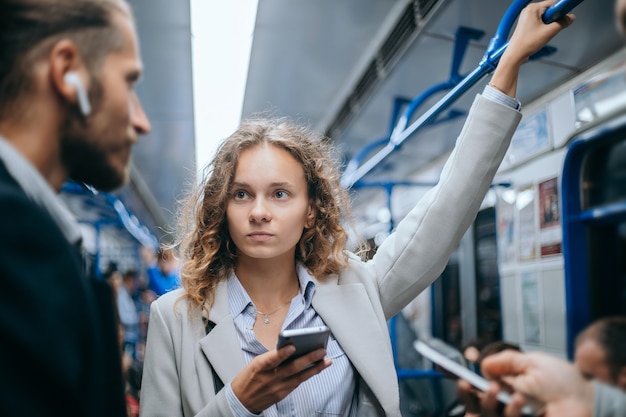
(81, 94)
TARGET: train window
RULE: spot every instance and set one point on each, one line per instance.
(488, 319)
(600, 95)
(607, 267)
(604, 175)
(464, 310)
(604, 185)
(447, 304)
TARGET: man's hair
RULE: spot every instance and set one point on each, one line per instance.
(30, 28)
(610, 334)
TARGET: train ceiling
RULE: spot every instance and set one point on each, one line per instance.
(340, 66)
(344, 66)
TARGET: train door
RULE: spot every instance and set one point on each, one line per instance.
(594, 225)
(446, 304)
(487, 293)
(466, 298)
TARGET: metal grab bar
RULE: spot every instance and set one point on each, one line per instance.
(488, 63)
(462, 39)
(559, 9)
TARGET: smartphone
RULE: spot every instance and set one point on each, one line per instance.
(305, 340)
(464, 373)
(449, 352)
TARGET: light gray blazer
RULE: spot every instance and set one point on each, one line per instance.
(355, 304)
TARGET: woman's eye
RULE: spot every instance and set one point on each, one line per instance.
(240, 195)
(281, 194)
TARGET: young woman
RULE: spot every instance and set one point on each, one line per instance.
(264, 251)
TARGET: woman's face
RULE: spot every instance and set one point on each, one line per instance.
(268, 206)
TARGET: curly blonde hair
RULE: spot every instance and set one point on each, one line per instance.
(207, 251)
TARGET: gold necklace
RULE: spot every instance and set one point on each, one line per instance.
(266, 316)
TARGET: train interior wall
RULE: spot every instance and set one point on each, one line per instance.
(529, 221)
(526, 235)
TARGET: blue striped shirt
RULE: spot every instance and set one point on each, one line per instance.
(331, 392)
(499, 97)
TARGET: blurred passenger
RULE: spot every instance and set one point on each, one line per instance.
(264, 250)
(166, 276)
(67, 110)
(128, 319)
(127, 308)
(133, 388)
(601, 351)
(146, 297)
(470, 396)
(128, 363)
(113, 277)
(131, 283)
(471, 351)
(163, 276)
(558, 386)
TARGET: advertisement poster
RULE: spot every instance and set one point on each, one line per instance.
(530, 307)
(531, 138)
(505, 210)
(525, 204)
(550, 234)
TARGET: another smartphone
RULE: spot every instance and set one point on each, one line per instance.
(305, 340)
(464, 373)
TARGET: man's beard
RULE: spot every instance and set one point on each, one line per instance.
(85, 160)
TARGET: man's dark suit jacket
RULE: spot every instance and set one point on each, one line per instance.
(59, 350)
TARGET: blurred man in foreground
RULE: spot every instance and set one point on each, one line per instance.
(67, 111)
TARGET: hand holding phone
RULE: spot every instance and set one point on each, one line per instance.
(464, 373)
(305, 340)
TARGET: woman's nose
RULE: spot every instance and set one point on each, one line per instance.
(260, 212)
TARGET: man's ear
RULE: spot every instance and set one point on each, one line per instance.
(68, 74)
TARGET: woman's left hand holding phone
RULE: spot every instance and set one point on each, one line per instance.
(263, 382)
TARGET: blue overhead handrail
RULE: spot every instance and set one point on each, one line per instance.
(370, 147)
(125, 218)
(488, 63)
(462, 37)
(559, 9)
(555, 12)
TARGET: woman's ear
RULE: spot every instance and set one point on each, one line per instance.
(310, 217)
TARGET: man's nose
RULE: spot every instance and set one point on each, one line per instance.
(139, 120)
